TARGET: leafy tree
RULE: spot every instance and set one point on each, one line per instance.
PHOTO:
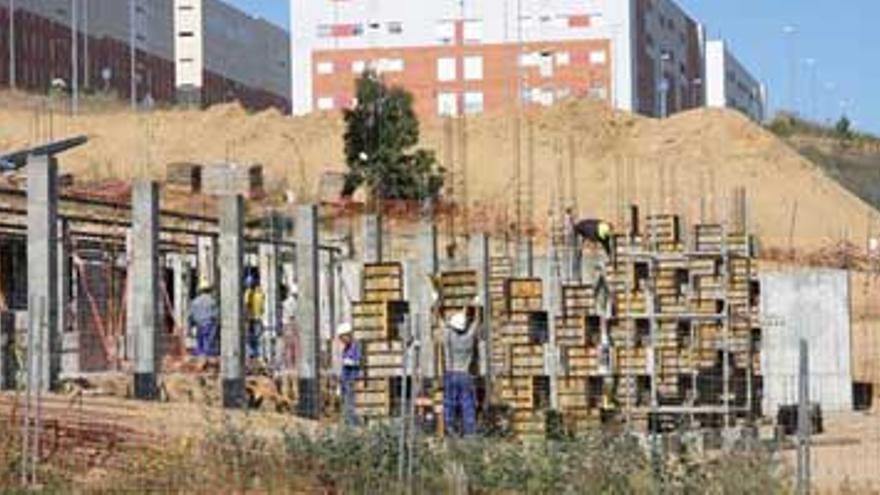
(381, 131)
(843, 128)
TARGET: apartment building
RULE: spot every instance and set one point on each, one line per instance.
(222, 54)
(730, 85)
(469, 56)
(126, 46)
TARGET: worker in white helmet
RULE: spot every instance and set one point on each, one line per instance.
(458, 384)
(351, 370)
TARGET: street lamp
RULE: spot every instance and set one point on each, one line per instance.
(790, 32)
(812, 65)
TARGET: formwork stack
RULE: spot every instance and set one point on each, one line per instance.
(376, 322)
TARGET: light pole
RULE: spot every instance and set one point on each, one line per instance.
(791, 33)
(12, 44)
(74, 58)
(812, 66)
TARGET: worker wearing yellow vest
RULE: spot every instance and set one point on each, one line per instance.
(254, 307)
(596, 231)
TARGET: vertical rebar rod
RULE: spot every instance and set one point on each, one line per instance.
(804, 423)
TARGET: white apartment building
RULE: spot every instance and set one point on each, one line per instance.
(730, 85)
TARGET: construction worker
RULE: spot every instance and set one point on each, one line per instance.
(351, 370)
(254, 305)
(596, 231)
(289, 329)
(460, 338)
(204, 316)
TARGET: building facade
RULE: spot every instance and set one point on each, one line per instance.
(130, 46)
(474, 56)
(730, 85)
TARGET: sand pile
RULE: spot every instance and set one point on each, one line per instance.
(688, 163)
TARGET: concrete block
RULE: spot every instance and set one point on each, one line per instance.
(42, 256)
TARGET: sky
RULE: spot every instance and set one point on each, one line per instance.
(827, 66)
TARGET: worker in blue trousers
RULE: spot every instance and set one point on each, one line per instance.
(459, 394)
(204, 316)
(351, 370)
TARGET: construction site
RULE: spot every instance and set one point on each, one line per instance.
(735, 313)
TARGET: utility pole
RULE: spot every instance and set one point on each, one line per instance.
(12, 44)
(74, 58)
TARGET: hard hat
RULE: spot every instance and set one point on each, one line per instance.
(205, 286)
(294, 290)
(604, 230)
(458, 321)
(343, 329)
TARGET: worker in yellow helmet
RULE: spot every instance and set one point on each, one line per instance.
(597, 231)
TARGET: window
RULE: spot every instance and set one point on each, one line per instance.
(563, 58)
(447, 104)
(530, 59)
(473, 68)
(445, 31)
(326, 103)
(473, 31)
(358, 66)
(325, 67)
(473, 102)
(395, 27)
(391, 65)
(546, 64)
(186, 34)
(597, 57)
(446, 70)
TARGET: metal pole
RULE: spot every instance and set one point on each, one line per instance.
(12, 75)
(401, 445)
(804, 423)
(132, 54)
(74, 57)
(26, 417)
(487, 319)
(87, 80)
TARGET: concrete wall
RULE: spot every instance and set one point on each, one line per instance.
(811, 304)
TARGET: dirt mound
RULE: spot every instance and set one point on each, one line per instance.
(688, 163)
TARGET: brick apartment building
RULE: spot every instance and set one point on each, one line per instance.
(237, 57)
(475, 56)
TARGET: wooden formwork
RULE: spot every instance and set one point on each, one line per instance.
(375, 322)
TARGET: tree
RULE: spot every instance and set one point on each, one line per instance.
(381, 131)
(843, 128)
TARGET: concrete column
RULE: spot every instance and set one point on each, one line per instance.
(232, 362)
(181, 296)
(42, 256)
(372, 233)
(8, 364)
(420, 298)
(269, 280)
(307, 266)
(207, 257)
(70, 362)
(144, 301)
